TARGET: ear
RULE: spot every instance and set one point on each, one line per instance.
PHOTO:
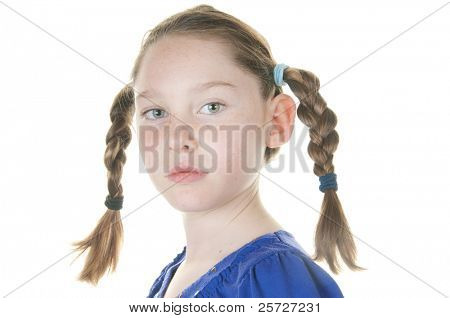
(280, 116)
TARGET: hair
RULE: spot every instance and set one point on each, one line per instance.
(252, 53)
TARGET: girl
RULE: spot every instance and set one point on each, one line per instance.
(202, 81)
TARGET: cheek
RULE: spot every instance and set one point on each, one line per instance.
(150, 148)
(238, 150)
(252, 147)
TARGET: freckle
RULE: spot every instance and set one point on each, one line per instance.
(220, 251)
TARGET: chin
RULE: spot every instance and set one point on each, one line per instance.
(189, 205)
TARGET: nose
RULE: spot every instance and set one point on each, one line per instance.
(181, 138)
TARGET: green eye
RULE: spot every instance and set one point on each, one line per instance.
(213, 107)
(155, 113)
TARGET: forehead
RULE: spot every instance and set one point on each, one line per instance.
(183, 62)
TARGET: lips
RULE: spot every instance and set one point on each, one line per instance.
(185, 174)
(178, 169)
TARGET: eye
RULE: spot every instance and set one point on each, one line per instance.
(213, 107)
(154, 113)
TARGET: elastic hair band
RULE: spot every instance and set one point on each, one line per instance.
(328, 181)
(278, 72)
(114, 203)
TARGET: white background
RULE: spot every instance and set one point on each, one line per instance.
(62, 63)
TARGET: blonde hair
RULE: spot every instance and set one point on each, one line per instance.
(252, 53)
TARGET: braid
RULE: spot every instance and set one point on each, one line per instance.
(332, 229)
(105, 240)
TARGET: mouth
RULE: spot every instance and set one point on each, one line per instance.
(186, 175)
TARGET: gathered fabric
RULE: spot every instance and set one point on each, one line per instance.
(273, 265)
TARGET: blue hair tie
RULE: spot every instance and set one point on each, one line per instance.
(328, 181)
(278, 73)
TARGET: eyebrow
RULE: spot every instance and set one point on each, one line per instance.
(199, 87)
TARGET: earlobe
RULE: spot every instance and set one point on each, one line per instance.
(282, 114)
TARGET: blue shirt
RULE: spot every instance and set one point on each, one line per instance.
(272, 265)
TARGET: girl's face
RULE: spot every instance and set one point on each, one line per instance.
(221, 124)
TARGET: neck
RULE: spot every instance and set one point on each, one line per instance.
(212, 234)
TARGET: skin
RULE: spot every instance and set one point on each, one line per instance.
(222, 211)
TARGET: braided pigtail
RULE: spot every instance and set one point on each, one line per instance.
(106, 239)
(332, 229)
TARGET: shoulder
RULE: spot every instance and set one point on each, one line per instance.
(272, 268)
(286, 272)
